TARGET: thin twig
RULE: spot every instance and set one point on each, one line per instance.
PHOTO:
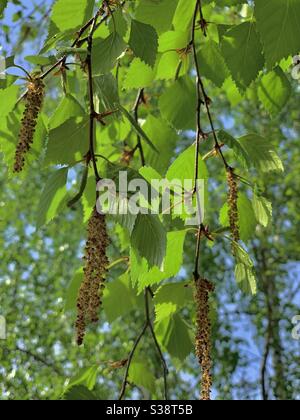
(78, 42)
(147, 291)
(24, 71)
(264, 365)
(62, 60)
(91, 99)
(138, 102)
(199, 134)
(139, 146)
(39, 359)
(163, 361)
(130, 358)
(201, 88)
(147, 325)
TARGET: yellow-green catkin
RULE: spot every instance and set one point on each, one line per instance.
(34, 101)
(203, 335)
(233, 205)
(96, 262)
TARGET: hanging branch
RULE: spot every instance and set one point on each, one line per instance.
(199, 134)
(202, 286)
(147, 325)
(147, 292)
(130, 359)
(231, 175)
(200, 86)
(91, 291)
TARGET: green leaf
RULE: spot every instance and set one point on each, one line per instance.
(227, 2)
(144, 277)
(149, 173)
(144, 42)
(173, 40)
(158, 14)
(174, 255)
(167, 66)
(184, 15)
(139, 374)
(79, 393)
(69, 107)
(242, 51)
(119, 23)
(242, 255)
(178, 103)
(274, 91)
(86, 377)
(137, 128)
(41, 60)
(149, 238)
(139, 75)
(164, 140)
(72, 291)
(278, 25)
(233, 94)
(262, 210)
(237, 148)
(246, 279)
(106, 91)
(8, 99)
(106, 52)
(244, 270)
(183, 167)
(88, 198)
(120, 298)
(69, 142)
(70, 14)
(169, 298)
(55, 37)
(3, 4)
(6, 63)
(182, 173)
(261, 154)
(52, 197)
(212, 63)
(175, 336)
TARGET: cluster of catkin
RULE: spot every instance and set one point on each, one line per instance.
(34, 101)
(96, 262)
(233, 204)
(203, 335)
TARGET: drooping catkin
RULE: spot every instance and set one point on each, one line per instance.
(34, 101)
(233, 205)
(96, 262)
(203, 335)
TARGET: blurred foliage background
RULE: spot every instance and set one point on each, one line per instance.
(254, 352)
